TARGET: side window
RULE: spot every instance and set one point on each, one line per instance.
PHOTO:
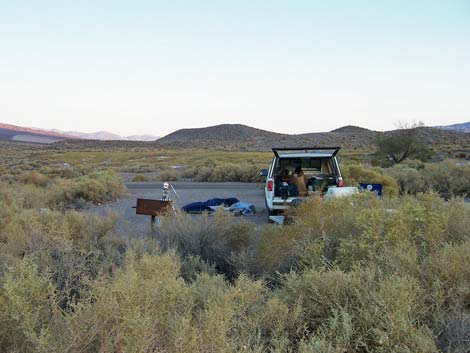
(328, 166)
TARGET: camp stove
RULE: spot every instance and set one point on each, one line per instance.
(167, 187)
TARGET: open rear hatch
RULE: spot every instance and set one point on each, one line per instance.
(302, 152)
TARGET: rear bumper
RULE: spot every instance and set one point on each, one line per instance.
(280, 204)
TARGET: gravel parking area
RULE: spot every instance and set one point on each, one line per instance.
(135, 225)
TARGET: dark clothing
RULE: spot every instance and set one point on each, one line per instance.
(206, 206)
(289, 190)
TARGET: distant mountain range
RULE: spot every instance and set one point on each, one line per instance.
(25, 134)
(235, 137)
(108, 136)
(463, 127)
(35, 135)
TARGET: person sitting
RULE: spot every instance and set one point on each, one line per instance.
(285, 177)
(283, 185)
(298, 179)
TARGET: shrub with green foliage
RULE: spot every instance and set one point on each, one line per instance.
(402, 144)
(355, 174)
(57, 193)
(224, 172)
(360, 310)
(213, 239)
(169, 174)
(34, 178)
(448, 178)
(139, 178)
(358, 274)
(98, 187)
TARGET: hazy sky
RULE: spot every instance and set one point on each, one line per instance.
(289, 66)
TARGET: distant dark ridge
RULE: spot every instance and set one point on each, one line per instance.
(224, 132)
(241, 137)
(351, 129)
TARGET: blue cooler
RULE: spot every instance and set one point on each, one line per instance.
(377, 188)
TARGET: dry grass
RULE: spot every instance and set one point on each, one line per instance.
(358, 274)
(355, 277)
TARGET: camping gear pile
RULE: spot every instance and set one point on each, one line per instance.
(231, 204)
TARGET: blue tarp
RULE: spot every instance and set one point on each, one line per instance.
(208, 206)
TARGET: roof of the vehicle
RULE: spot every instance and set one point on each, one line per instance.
(302, 152)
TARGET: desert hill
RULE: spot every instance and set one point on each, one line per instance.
(224, 132)
(242, 137)
(237, 136)
(351, 129)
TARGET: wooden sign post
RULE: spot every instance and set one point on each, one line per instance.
(153, 208)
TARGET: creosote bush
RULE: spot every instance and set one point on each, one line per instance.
(358, 274)
(139, 178)
(34, 178)
(58, 193)
(355, 174)
(224, 172)
(448, 178)
(169, 174)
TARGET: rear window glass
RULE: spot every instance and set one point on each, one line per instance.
(304, 163)
(326, 152)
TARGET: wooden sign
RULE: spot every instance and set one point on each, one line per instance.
(152, 207)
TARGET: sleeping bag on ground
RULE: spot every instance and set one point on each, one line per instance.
(242, 208)
(208, 206)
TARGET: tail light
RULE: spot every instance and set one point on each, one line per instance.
(270, 185)
(340, 182)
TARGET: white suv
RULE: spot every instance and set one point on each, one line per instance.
(318, 164)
